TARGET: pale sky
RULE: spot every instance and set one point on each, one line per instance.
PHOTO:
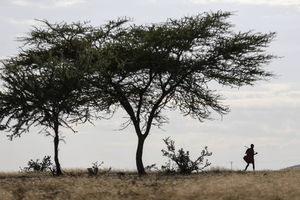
(265, 115)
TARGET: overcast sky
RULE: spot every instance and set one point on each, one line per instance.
(266, 115)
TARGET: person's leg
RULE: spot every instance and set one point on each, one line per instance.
(246, 167)
(253, 166)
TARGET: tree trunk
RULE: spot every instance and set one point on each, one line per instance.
(56, 142)
(139, 156)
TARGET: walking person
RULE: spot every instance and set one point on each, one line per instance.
(249, 157)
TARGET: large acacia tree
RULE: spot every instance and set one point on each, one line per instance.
(44, 85)
(146, 69)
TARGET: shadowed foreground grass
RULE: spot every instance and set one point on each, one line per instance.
(217, 184)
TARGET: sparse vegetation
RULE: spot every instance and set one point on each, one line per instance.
(181, 159)
(151, 167)
(223, 185)
(95, 168)
(39, 166)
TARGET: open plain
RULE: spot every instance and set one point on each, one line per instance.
(213, 184)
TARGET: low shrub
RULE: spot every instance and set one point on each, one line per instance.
(39, 166)
(180, 161)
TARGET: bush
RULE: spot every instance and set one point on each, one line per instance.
(151, 167)
(39, 166)
(95, 168)
(182, 160)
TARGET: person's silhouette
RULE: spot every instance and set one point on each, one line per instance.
(249, 157)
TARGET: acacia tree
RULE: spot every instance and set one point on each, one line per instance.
(145, 69)
(44, 84)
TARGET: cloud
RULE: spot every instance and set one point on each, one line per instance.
(22, 21)
(267, 95)
(47, 3)
(253, 2)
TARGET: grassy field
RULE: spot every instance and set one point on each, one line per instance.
(214, 184)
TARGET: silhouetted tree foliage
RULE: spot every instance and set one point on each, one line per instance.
(184, 164)
(146, 69)
(44, 84)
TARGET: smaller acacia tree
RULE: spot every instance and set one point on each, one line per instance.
(44, 85)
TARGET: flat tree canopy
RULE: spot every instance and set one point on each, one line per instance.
(44, 84)
(146, 69)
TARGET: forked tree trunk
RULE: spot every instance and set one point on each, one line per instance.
(139, 156)
(56, 143)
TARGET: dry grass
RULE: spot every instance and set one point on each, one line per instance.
(217, 184)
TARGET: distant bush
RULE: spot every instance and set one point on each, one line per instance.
(180, 161)
(95, 168)
(151, 167)
(39, 166)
